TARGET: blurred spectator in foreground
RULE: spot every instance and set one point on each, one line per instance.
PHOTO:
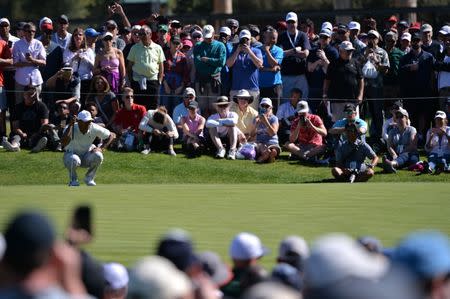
(116, 278)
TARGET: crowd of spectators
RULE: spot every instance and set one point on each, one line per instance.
(35, 263)
(241, 91)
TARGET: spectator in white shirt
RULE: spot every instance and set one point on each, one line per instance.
(62, 36)
(28, 55)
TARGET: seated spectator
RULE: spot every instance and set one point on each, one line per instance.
(402, 144)
(265, 128)
(438, 145)
(181, 110)
(93, 110)
(105, 99)
(307, 134)
(162, 131)
(294, 251)
(126, 122)
(246, 114)
(61, 119)
(30, 126)
(286, 114)
(338, 128)
(222, 128)
(350, 157)
(391, 122)
(64, 87)
(193, 125)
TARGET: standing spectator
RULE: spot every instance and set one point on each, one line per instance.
(162, 131)
(307, 134)
(405, 42)
(233, 24)
(416, 72)
(5, 60)
(286, 113)
(193, 125)
(28, 55)
(117, 42)
(5, 35)
(344, 81)
(444, 79)
(438, 144)
(91, 38)
(246, 113)
(126, 121)
(428, 43)
(295, 45)
(355, 28)
(350, 158)
(54, 59)
(77, 140)
(222, 128)
(163, 37)
(265, 129)
(209, 59)
(176, 75)
(62, 36)
(135, 38)
(402, 27)
(378, 58)
(270, 83)
(245, 63)
(225, 73)
(402, 144)
(106, 101)
(391, 77)
(110, 64)
(81, 59)
(146, 69)
(175, 27)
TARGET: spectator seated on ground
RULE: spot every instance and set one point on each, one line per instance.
(93, 110)
(193, 125)
(307, 134)
(286, 114)
(246, 114)
(391, 122)
(350, 157)
(30, 126)
(161, 131)
(338, 128)
(402, 144)
(438, 145)
(61, 119)
(222, 128)
(181, 110)
(64, 87)
(265, 128)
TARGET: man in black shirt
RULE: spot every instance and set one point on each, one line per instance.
(428, 44)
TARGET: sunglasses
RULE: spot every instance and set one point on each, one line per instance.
(107, 39)
(265, 106)
(142, 33)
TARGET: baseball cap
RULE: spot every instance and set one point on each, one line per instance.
(176, 246)
(293, 244)
(342, 27)
(5, 20)
(196, 34)
(392, 34)
(232, 23)
(46, 26)
(445, 30)
(154, 277)
(291, 16)
(245, 34)
(222, 100)
(189, 91)
(346, 45)
(110, 23)
(91, 32)
(265, 101)
(416, 36)
(440, 114)
(327, 25)
(20, 25)
(212, 264)
(425, 253)
(336, 257)
(392, 19)
(415, 26)
(403, 23)
(247, 246)
(136, 27)
(193, 105)
(325, 32)
(63, 19)
(106, 34)
(208, 31)
(225, 30)
(426, 28)
(349, 107)
(163, 27)
(373, 33)
(254, 30)
(302, 107)
(85, 116)
(116, 275)
(45, 20)
(187, 42)
(354, 26)
(406, 36)
(175, 24)
(403, 112)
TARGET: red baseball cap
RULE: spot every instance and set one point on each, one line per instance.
(392, 19)
(46, 26)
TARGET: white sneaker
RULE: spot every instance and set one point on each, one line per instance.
(74, 184)
(231, 154)
(40, 145)
(146, 151)
(171, 152)
(220, 153)
(8, 146)
(89, 182)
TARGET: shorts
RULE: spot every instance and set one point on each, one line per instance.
(3, 100)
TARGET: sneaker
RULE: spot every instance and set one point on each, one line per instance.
(74, 184)
(232, 154)
(389, 168)
(426, 168)
(59, 148)
(8, 146)
(41, 144)
(220, 153)
(146, 151)
(89, 182)
(171, 152)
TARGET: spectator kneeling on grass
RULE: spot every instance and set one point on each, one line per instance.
(350, 158)
(77, 140)
(162, 131)
(265, 129)
(401, 144)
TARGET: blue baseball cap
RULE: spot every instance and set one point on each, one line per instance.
(91, 32)
(425, 253)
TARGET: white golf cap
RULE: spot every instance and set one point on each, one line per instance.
(247, 246)
(115, 275)
(4, 20)
(107, 33)
(208, 31)
(440, 114)
(266, 101)
(302, 107)
(327, 25)
(354, 26)
(136, 27)
(245, 33)
(374, 33)
(346, 45)
(85, 116)
(225, 30)
(445, 30)
(291, 16)
(406, 36)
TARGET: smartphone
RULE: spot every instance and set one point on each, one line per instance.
(82, 218)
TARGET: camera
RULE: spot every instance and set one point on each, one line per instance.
(303, 118)
(243, 41)
(262, 111)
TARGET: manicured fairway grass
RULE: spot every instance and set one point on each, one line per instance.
(130, 218)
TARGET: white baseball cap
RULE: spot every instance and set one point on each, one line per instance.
(327, 25)
(4, 20)
(136, 27)
(406, 36)
(440, 114)
(346, 45)
(247, 246)
(245, 33)
(444, 30)
(225, 30)
(265, 101)
(115, 275)
(293, 244)
(208, 31)
(374, 33)
(291, 16)
(85, 116)
(354, 26)
(302, 107)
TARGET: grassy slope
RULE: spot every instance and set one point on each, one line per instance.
(130, 218)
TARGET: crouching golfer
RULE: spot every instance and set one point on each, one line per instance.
(77, 140)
